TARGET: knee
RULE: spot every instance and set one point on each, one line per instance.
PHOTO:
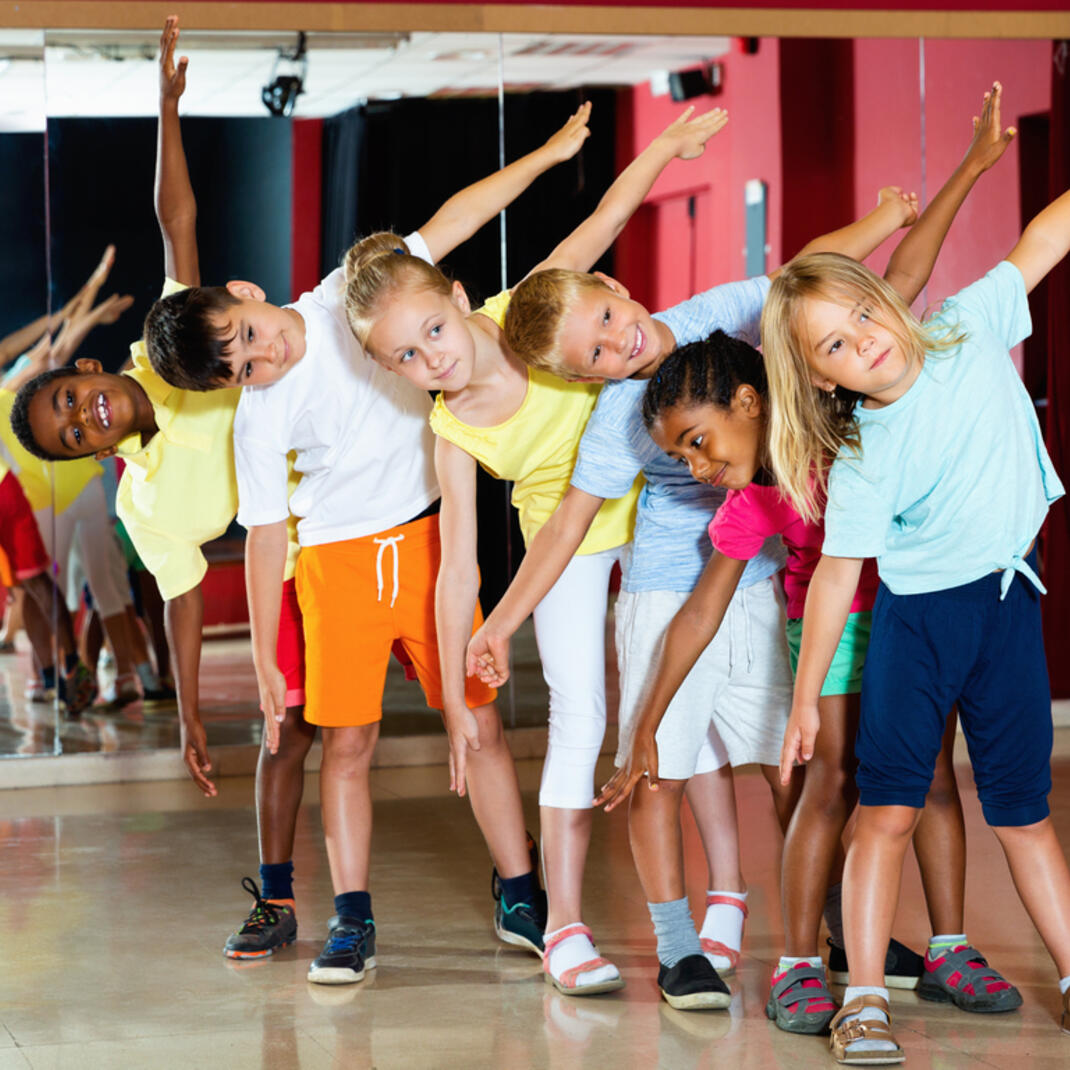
(348, 751)
(829, 791)
(295, 740)
(491, 732)
(575, 723)
(887, 822)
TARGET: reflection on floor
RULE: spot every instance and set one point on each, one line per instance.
(117, 900)
(229, 706)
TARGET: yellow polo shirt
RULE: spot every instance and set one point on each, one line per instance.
(179, 490)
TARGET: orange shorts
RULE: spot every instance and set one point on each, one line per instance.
(359, 596)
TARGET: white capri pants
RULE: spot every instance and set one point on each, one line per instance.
(87, 550)
(735, 702)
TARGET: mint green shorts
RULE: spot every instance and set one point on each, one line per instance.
(845, 672)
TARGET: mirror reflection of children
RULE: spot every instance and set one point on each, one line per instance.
(941, 473)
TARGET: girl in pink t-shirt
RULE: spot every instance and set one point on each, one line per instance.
(707, 407)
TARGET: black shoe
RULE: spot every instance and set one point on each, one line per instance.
(903, 968)
(268, 927)
(522, 924)
(693, 985)
(348, 952)
(159, 696)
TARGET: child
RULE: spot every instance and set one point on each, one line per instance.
(933, 426)
(707, 408)
(524, 426)
(359, 502)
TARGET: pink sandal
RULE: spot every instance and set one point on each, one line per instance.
(567, 983)
(715, 947)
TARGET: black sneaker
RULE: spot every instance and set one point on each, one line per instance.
(522, 924)
(159, 696)
(903, 968)
(268, 927)
(348, 952)
(693, 985)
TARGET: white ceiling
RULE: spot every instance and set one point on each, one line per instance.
(100, 73)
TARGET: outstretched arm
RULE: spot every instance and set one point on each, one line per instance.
(265, 565)
(1044, 242)
(688, 634)
(456, 594)
(912, 262)
(465, 212)
(553, 547)
(685, 138)
(176, 207)
(828, 603)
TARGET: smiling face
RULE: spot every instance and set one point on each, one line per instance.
(844, 346)
(424, 335)
(608, 336)
(84, 414)
(263, 341)
(721, 447)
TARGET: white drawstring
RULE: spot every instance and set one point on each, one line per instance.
(392, 542)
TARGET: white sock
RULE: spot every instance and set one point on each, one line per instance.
(147, 675)
(940, 941)
(1064, 984)
(574, 951)
(870, 1014)
(787, 962)
(724, 924)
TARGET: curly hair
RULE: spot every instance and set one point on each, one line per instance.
(185, 346)
(708, 372)
(20, 412)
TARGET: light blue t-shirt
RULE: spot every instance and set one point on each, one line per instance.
(671, 545)
(954, 480)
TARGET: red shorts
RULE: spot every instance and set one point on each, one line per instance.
(20, 538)
(290, 649)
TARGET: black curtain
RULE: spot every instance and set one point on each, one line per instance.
(23, 278)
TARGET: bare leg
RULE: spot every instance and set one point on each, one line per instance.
(280, 783)
(785, 798)
(91, 639)
(495, 796)
(657, 844)
(346, 804)
(44, 592)
(812, 844)
(940, 842)
(13, 623)
(712, 798)
(153, 606)
(566, 835)
(871, 887)
(117, 629)
(1040, 874)
(39, 632)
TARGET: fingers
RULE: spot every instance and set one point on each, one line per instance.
(453, 773)
(197, 764)
(652, 772)
(460, 769)
(788, 754)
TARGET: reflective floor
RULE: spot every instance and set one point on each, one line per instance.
(117, 899)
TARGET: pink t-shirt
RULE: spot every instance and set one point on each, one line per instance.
(749, 516)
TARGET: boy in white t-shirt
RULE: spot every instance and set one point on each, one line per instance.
(367, 504)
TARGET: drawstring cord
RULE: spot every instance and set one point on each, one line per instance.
(392, 542)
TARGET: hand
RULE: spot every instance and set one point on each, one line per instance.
(172, 77)
(799, 736)
(642, 760)
(463, 731)
(111, 308)
(272, 686)
(488, 657)
(567, 141)
(687, 137)
(989, 143)
(195, 755)
(906, 204)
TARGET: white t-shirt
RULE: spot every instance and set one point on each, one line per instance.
(361, 434)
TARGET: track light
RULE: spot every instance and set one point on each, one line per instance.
(281, 93)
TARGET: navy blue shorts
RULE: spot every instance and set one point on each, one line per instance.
(962, 645)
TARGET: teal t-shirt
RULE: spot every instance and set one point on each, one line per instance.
(953, 481)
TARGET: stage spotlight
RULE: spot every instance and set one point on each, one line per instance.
(281, 93)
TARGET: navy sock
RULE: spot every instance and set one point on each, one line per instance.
(276, 880)
(69, 663)
(48, 677)
(354, 905)
(520, 889)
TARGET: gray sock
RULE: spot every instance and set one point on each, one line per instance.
(867, 1014)
(147, 675)
(834, 913)
(675, 931)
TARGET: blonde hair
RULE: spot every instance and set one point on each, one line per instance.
(807, 426)
(376, 268)
(537, 312)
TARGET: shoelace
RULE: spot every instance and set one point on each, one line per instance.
(343, 942)
(262, 914)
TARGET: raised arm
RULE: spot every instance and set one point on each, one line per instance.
(828, 603)
(912, 262)
(554, 545)
(688, 634)
(465, 212)
(456, 595)
(685, 138)
(1044, 242)
(176, 207)
(265, 565)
